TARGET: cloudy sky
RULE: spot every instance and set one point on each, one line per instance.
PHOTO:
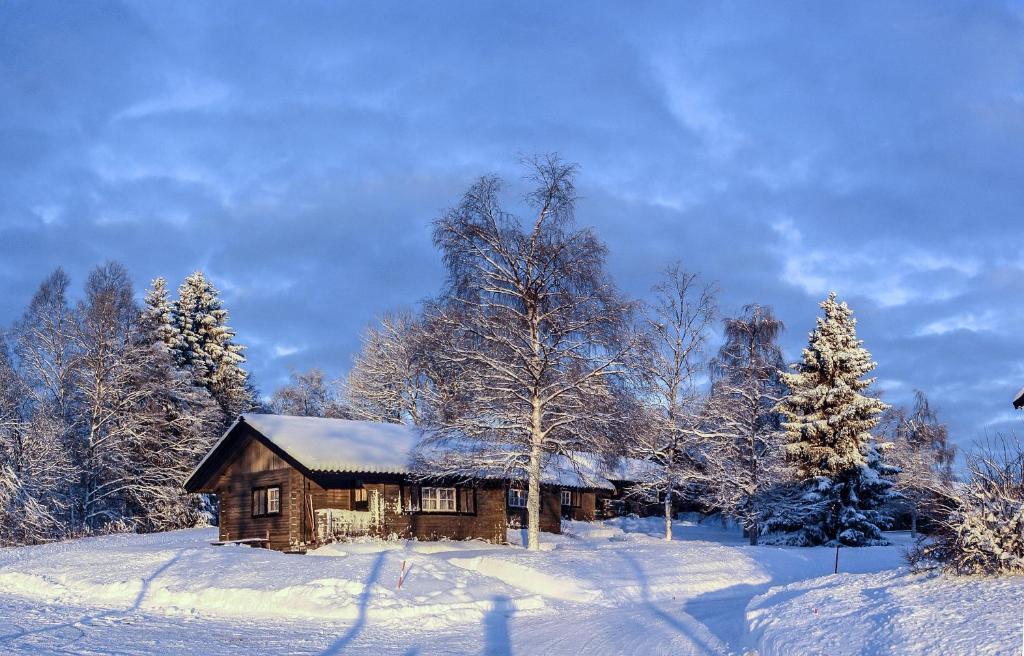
(299, 155)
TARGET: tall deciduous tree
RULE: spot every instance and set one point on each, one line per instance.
(746, 451)
(678, 323)
(42, 447)
(829, 417)
(308, 394)
(390, 376)
(109, 362)
(922, 451)
(534, 330)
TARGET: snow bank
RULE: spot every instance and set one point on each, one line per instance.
(184, 574)
(626, 589)
(527, 578)
(893, 612)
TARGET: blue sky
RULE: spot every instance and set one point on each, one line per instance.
(298, 152)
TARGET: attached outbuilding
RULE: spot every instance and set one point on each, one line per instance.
(290, 482)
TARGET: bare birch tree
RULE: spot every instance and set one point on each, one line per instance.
(41, 452)
(308, 394)
(389, 376)
(534, 331)
(746, 455)
(921, 451)
(678, 321)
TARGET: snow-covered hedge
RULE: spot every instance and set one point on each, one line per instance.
(982, 531)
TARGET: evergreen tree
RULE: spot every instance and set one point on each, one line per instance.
(205, 345)
(157, 321)
(828, 418)
(182, 421)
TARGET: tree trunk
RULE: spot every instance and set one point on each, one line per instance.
(668, 512)
(533, 489)
(755, 533)
(913, 523)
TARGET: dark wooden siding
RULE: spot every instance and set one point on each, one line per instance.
(254, 466)
(585, 511)
(550, 511)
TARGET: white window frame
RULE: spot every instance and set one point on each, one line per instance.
(437, 499)
(517, 498)
(566, 498)
(266, 501)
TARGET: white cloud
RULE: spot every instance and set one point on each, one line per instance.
(284, 350)
(883, 273)
(985, 321)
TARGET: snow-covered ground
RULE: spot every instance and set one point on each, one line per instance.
(601, 588)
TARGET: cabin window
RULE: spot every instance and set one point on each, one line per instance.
(266, 501)
(571, 498)
(517, 497)
(438, 499)
(359, 501)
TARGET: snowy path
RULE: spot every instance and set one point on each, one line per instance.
(610, 588)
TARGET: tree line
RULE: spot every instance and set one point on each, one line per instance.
(106, 406)
(530, 352)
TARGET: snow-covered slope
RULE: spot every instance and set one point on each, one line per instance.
(618, 586)
(892, 612)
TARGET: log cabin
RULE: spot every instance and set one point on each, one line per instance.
(288, 483)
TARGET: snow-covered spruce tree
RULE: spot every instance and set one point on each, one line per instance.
(205, 345)
(308, 394)
(982, 529)
(533, 330)
(745, 453)
(390, 374)
(157, 320)
(921, 451)
(677, 325)
(828, 421)
(178, 422)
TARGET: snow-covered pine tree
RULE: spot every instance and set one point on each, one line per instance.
(157, 320)
(678, 322)
(205, 345)
(828, 419)
(745, 452)
(180, 420)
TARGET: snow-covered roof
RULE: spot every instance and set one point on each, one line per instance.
(339, 445)
(349, 446)
(1018, 401)
(629, 469)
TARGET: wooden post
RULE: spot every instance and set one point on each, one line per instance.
(836, 571)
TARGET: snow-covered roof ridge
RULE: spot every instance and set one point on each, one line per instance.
(339, 445)
(348, 446)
